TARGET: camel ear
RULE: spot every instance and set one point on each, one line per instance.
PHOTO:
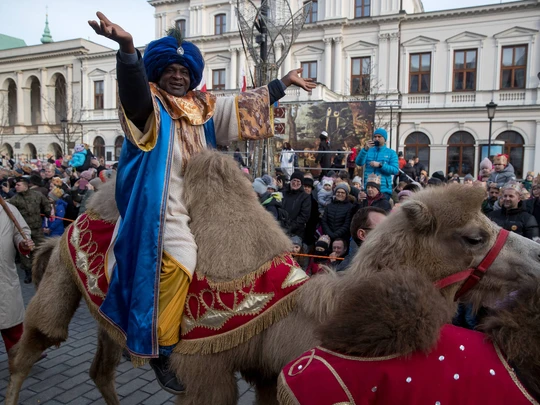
(419, 215)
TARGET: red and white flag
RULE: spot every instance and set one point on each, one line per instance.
(243, 80)
(202, 85)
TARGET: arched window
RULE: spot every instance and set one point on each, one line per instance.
(99, 147)
(220, 24)
(417, 144)
(30, 151)
(118, 142)
(460, 153)
(60, 101)
(55, 149)
(35, 102)
(12, 103)
(6, 150)
(513, 147)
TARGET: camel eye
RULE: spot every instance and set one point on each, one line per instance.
(473, 241)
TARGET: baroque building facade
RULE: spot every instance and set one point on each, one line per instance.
(430, 73)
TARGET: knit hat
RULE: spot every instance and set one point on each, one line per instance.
(486, 164)
(357, 179)
(374, 181)
(382, 132)
(267, 179)
(327, 180)
(434, 182)
(344, 187)
(296, 240)
(56, 193)
(308, 181)
(439, 175)
(298, 175)
(468, 177)
(259, 186)
(322, 246)
(78, 148)
(173, 49)
(404, 193)
(36, 180)
(272, 186)
(88, 174)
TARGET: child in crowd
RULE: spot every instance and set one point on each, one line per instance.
(79, 156)
(325, 194)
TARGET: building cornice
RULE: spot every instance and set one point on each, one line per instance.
(473, 11)
(44, 55)
(155, 3)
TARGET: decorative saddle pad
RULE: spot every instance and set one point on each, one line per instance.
(218, 317)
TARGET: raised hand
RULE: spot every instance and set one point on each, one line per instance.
(293, 77)
(108, 29)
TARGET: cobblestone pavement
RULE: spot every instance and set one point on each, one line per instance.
(62, 378)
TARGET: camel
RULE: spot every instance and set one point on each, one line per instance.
(437, 233)
(400, 318)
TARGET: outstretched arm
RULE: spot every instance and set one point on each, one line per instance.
(133, 88)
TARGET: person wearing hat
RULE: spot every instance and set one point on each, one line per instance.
(486, 167)
(379, 160)
(468, 180)
(314, 217)
(166, 121)
(528, 182)
(323, 158)
(504, 171)
(374, 196)
(513, 215)
(297, 204)
(336, 218)
(31, 204)
(55, 225)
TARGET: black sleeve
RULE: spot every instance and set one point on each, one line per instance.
(531, 227)
(276, 90)
(134, 91)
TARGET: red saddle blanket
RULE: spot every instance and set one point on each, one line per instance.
(463, 368)
(216, 316)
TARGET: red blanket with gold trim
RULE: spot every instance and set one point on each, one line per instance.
(463, 368)
(88, 240)
(218, 317)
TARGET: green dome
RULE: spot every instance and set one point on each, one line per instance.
(46, 38)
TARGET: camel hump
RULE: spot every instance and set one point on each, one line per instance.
(389, 313)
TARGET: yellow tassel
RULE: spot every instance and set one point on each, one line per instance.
(284, 394)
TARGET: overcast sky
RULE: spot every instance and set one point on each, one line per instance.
(68, 18)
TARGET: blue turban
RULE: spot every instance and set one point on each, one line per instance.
(163, 52)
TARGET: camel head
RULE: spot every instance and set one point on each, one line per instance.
(440, 232)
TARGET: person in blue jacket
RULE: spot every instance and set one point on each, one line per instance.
(379, 159)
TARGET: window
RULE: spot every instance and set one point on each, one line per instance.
(218, 79)
(99, 147)
(417, 144)
(311, 16)
(181, 26)
(460, 153)
(513, 147)
(361, 8)
(310, 70)
(98, 95)
(465, 70)
(420, 73)
(360, 75)
(513, 67)
(220, 24)
(12, 103)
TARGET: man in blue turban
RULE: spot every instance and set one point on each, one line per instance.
(166, 121)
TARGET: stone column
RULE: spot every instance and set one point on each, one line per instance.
(20, 98)
(338, 78)
(233, 74)
(242, 63)
(158, 20)
(393, 71)
(234, 18)
(45, 101)
(200, 20)
(69, 91)
(328, 62)
(192, 21)
(287, 63)
(537, 148)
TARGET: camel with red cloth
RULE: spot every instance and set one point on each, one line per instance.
(243, 267)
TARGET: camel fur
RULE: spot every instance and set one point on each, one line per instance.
(437, 233)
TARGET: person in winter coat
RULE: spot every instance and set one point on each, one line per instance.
(11, 300)
(238, 157)
(297, 204)
(314, 216)
(534, 202)
(485, 170)
(504, 171)
(351, 164)
(379, 160)
(287, 159)
(31, 205)
(374, 196)
(271, 201)
(55, 225)
(325, 194)
(336, 219)
(408, 174)
(513, 216)
(324, 159)
(79, 156)
(528, 182)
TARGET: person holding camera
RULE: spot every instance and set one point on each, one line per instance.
(379, 160)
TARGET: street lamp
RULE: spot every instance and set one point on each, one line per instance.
(491, 107)
(64, 122)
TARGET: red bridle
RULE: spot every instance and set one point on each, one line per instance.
(473, 275)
